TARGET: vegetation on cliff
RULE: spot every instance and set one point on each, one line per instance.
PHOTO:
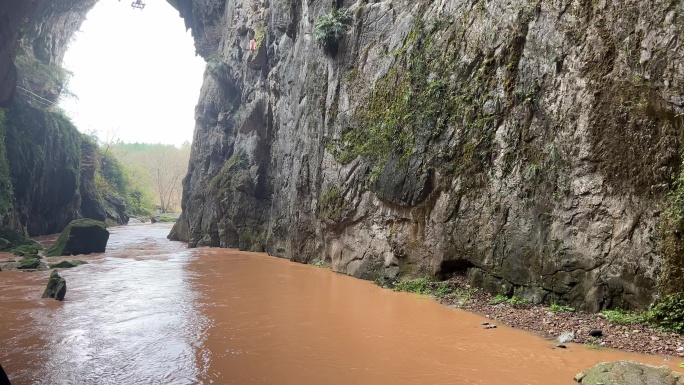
(6, 197)
(330, 29)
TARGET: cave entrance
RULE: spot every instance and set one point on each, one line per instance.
(135, 74)
(453, 268)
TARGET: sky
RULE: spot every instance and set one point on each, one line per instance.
(135, 74)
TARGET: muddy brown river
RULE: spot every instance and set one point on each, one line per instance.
(150, 311)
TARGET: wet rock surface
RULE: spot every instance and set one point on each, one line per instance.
(443, 137)
(56, 287)
(629, 373)
(82, 236)
(528, 146)
(67, 264)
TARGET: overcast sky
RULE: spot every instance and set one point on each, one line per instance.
(135, 74)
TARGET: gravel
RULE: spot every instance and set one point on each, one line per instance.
(540, 319)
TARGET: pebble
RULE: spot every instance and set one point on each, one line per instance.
(654, 338)
(680, 349)
(490, 327)
(596, 332)
(484, 323)
(561, 346)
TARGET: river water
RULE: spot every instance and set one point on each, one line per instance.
(150, 311)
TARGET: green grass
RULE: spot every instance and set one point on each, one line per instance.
(514, 301)
(443, 288)
(561, 308)
(418, 286)
(622, 317)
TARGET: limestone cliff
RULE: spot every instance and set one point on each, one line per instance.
(533, 145)
(528, 144)
(47, 168)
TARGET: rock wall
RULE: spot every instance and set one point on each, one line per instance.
(529, 145)
(533, 146)
(52, 169)
(47, 168)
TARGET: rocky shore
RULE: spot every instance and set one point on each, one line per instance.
(618, 331)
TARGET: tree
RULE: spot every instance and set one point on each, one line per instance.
(154, 174)
(166, 166)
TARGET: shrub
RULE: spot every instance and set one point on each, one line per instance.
(669, 313)
(443, 288)
(385, 281)
(418, 286)
(330, 29)
(500, 298)
(513, 301)
(622, 317)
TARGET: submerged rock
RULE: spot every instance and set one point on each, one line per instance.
(56, 287)
(629, 373)
(82, 236)
(67, 264)
(29, 263)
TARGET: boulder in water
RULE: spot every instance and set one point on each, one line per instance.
(629, 373)
(67, 264)
(11, 240)
(29, 263)
(81, 236)
(56, 287)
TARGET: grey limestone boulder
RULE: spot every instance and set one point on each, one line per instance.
(629, 373)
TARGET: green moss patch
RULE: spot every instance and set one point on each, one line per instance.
(427, 92)
(11, 240)
(29, 263)
(81, 236)
(232, 174)
(331, 205)
(67, 264)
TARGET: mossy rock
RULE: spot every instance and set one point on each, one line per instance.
(11, 239)
(81, 236)
(165, 218)
(68, 264)
(29, 263)
(629, 373)
(28, 250)
(56, 287)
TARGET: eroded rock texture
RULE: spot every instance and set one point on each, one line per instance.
(529, 145)
(629, 373)
(47, 168)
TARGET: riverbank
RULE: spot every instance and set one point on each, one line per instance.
(617, 330)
